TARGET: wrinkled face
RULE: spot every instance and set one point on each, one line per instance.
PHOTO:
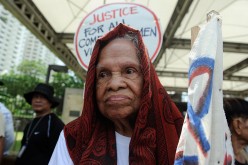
(40, 104)
(119, 80)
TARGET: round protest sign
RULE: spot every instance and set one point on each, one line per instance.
(103, 19)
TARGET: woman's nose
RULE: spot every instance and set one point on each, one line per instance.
(116, 81)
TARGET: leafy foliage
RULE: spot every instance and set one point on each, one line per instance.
(32, 68)
(17, 84)
(29, 74)
(61, 81)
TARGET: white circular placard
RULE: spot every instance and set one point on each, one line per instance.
(103, 19)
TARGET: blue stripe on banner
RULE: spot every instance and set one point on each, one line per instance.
(187, 160)
(200, 66)
(207, 63)
(197, 130)
(201, 61)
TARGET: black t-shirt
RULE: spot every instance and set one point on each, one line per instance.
(42, 133)
(238, 163)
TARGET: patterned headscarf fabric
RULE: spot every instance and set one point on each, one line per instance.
(90, 138)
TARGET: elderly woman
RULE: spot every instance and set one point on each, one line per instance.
(128, 118)
(236, 111)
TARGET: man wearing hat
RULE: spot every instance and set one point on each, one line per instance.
(41, 134)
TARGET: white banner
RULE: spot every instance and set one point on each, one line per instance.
(205, 137)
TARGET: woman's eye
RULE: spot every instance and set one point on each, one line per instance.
(102, 74)
(131, 73)
(130, 70)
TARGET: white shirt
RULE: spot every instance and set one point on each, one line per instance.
(122, 147)
(2, 125)
(61, 155)
(9, 128)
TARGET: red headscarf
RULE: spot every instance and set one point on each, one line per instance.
(90, 139)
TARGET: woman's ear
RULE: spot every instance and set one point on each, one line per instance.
(238, 125)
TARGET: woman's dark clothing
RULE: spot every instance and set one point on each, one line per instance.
(238, 163)
(43, 133)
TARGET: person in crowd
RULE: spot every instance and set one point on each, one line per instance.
(236, 110)
(41, 134)
(2, 130)
(9, 127)
(128, 117)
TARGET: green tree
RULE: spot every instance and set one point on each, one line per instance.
(32, 68)
(60, 81)
(17, 83)
(29, 74)
(15, 86)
